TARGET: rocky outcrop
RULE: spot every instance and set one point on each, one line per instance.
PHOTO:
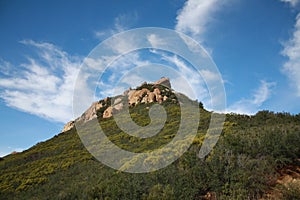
(163, 81)
(158, 96)
(136, 96)
(144, 95)
(68, 126)
(158, 91)
(108, 112)
(116, 107)
(165, 98)
(91, 112)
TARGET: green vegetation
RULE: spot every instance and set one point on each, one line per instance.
(243, 165)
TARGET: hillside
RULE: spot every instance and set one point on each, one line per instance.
(251, 154)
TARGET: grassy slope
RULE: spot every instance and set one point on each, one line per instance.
(243, 164)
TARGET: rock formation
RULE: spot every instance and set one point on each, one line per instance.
(68, 126)
(163, 81)
(91, 112)
(108, 112)
(158, 91)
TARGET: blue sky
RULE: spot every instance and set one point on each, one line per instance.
(255, 45)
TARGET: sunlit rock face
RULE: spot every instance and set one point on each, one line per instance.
(105, 108)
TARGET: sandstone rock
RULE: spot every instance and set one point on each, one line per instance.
(163, 81)
(159, 98)
(143, 91)
(108, 112)
(68, 126)
(145, 96)
(118, 107)
(151, 97)
(145, 99)
(91, 112)
(117, 100)
(130, 93)
(136, 96)
(165, 98)
(98, 105)
(156, 91)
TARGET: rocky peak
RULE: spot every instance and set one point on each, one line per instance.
(163, 81)
(158, 91)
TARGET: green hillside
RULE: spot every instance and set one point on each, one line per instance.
(243, 165)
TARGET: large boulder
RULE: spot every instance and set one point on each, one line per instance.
(108, 112)
(163, 81)
(136, 96)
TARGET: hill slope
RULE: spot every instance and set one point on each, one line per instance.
(244, 165)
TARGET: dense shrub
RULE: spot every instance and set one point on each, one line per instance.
(241, 166)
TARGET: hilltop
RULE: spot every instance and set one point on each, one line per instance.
(147, 93)
(250, 156)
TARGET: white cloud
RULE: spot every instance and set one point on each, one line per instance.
(250, 106)
(125, 21)
(155, 41)
(196, 88)
(121, 74)
(196, 15)
(292, 2)
(43, 86)
(292, 51)
(127, 62)
(133, 80)
(122, 45)
(263, 93)
(6, 68)
(210, 76)
(121, 23)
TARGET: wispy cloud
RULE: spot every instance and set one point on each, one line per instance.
(121, 74)
(6, 68)
(196, 87)
(125, 21)
(292, 2)
(121, 23)
(195, 17)
(155, 41)
(251, 106)
(292, 51)
(44, 85)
